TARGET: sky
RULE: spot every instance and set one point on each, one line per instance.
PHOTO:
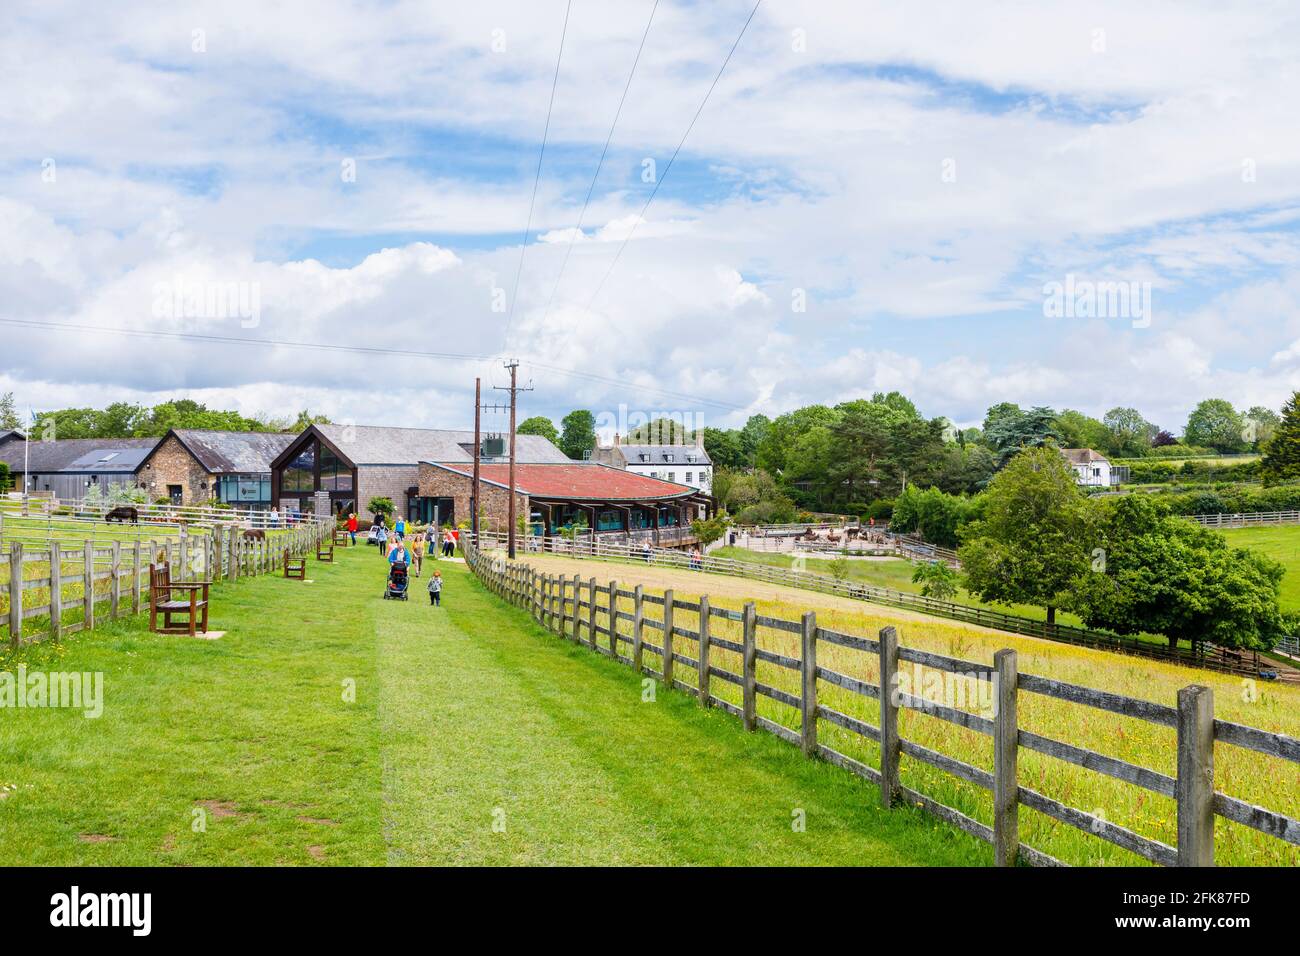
(874, 196)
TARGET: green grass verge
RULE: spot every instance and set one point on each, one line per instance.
(1282, 544)
(475, 737)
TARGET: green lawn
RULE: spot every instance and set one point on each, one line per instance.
(1281, 543)
(475, 738)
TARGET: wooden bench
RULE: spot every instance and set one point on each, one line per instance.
(161, 589)
(325, 553)
(295, 567)
(341, 537)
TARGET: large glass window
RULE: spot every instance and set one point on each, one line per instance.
(334, 475)
(299, 474)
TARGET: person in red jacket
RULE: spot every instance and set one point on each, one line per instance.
(352, 528)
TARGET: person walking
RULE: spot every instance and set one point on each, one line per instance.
(399, 528)
(448, 544)
(352, 527)
(398, 553)
(417, 552)
(435, 589)
(381, 539)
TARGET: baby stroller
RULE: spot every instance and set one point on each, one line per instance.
(397, 581)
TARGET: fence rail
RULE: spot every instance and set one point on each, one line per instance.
(558, 603)
(1209, 657)
(111, 580)
(1249, 519)
(32, 506)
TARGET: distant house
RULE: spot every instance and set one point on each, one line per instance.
(683, 464)
(1093, 469)
(66, 468)
(194, 466)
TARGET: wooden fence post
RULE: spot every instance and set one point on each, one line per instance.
(56, 591)
(704, 651)
(668, 638)
(577, 618)
(184, 561)
(1006, 744)
(88, 583)
(591, 612)
(749, 666)
(16, 592)
(638, 624)
(808, 693)
(1195, 788)
(135, 578)
(613, 619)
(115, 581)
(889, 750)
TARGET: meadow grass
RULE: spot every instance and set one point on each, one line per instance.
(463, 717)
(1240, 773)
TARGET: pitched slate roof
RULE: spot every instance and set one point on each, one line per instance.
(379, 445)
(83, 455)
(234, 452)
(575, 480)
(658, 454)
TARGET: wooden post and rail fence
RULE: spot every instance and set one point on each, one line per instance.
(592, 614)
(111, 579)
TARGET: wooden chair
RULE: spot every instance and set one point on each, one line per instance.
(295, 567)
(341, 537)
(161, 589)
(325, 553)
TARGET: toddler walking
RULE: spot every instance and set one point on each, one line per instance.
(435, 589)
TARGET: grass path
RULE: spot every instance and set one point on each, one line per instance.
(464, 717)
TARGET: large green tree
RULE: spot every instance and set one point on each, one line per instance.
(1215, 424)
(723, 447)
(1031, 543)
(1260, 424)
(1078, 430)
(1129, 435)
(8, 415)
(1007, 429)
(578, 433)
(1162, 574)
(540, 425)
(1282, 450)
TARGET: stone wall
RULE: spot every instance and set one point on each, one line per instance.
(440, 483)
(172, 464)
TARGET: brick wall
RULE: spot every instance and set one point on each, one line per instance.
(385, 481)
(172, 464)
(439, 483)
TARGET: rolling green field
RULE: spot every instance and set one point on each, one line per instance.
(1282, 544)
(329, 726)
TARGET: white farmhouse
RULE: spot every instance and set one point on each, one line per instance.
(1094, 469)
(683, 464)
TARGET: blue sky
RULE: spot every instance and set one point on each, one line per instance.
(873, 198)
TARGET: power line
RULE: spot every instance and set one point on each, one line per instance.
(672, 159)
(357, 349)
(601, 162)
(537, 178)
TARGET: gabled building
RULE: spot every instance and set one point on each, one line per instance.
(66, 468)
(196, 466)
(348, 465)
(684, 464)
(1093, 469)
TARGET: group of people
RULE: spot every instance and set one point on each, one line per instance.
(394, 547)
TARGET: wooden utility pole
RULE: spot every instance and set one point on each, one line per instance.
(478, 450)
(514, 390)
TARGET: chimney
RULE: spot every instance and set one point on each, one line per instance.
(616, 439)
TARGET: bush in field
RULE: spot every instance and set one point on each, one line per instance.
(708, 531)
(937, 580)
(381, 507)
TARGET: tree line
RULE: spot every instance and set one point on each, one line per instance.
(129, 420)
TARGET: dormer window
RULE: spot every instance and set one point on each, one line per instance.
(668, 456)
(644, 456)
(691, 458)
